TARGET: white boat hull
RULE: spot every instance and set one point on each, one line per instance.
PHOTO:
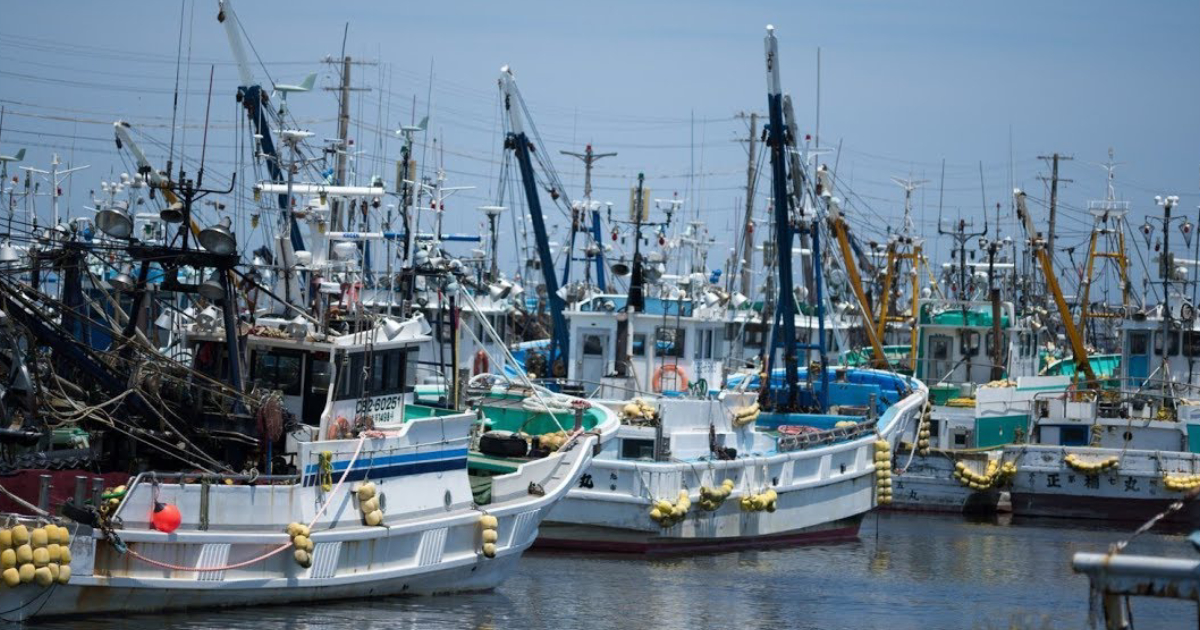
(1047, 486)
(823, 490)
(927, 484)
(421, 548)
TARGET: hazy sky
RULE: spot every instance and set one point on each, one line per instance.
(904, 86)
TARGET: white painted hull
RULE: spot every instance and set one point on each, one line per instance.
(1046, 485)
(927, 484)
(88, 596)
(823, 492)
(420, 548)
(817, 513)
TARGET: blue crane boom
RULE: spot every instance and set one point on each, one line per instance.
(518, 141)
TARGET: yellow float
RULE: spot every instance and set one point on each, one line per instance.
(1091, 467)
(667, 514)
(488, 535)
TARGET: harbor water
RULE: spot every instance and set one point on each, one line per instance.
(924, 572)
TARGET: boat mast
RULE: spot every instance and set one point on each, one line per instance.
(786, 315)
(578, 211)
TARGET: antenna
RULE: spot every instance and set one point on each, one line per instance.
(909, 186)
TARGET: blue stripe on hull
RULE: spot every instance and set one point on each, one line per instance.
(398, 470)
(389, 460)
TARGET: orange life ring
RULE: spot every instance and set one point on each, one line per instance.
(481, 363)
(339, 429)
(674, 369)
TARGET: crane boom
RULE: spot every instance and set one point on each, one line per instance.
(519, 143)
(251, 95)
(837, 225)
(1078, 349)
(154, 178)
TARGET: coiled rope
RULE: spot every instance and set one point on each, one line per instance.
(175, 567)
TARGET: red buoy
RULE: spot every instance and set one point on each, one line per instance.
(166, 517)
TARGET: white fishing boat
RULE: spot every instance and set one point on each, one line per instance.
(747, 479)
(402, 507)
(799, 457)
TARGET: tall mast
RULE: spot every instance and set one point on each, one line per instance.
(786, 315)
(747, 261)
(1054, 181)
(579, 214)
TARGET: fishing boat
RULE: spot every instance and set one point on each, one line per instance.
(377, 492)
(1091, 446)
(799, 458)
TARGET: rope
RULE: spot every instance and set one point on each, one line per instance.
(325, 463)
(175, 567)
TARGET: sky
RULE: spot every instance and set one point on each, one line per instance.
(904, 86)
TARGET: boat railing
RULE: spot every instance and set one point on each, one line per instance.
(1111, 402)
(1128, 388)
(199, 478)
(801, 441)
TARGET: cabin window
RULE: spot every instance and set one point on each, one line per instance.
(939, 347)
(704, 344)
(1191, 343)
(410, 370)
(1139, 343)
(637, 449)
(970, 342)
(379, 369)
(349, 376)
(499, 322)
(639, 345)
(445, 330)
(593, 346)
(1073, 436)
(390, 373)
(318, 371)
(276, 370)
(754, 335)
(1172, 346)
(669, 342)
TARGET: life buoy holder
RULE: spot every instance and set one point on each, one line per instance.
(674, 369)
(480, 366)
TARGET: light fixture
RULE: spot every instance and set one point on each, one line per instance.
(1147, 230)
(208, 318)
(115, 222)
(218, 238)
(123, 281)
(8, 253)
(212, 289)
(738, 300)
(1186, 228)
(172, 213)
(166, 320)
(391, 328)
(297, 328)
